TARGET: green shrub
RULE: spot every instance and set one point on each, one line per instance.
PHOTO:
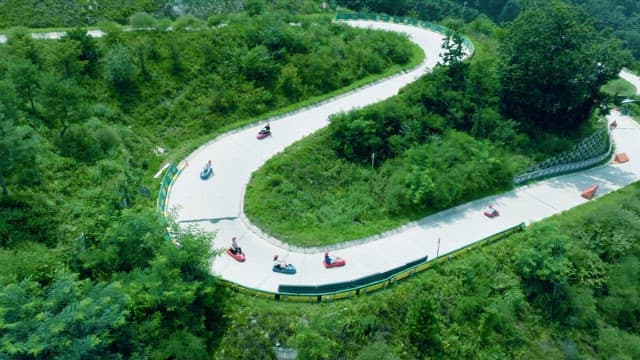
(107, 139)
(79, 143)
(188, 22)
(27, 218)
(119, 67)
(142, 20)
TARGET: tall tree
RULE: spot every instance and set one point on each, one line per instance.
(17, 148)
(24, 75)
(71, 318)
(9, 103)
(452, 57)
(89, 52)
(65, 56)
(140, 50)
(543, 265)
(119, 67)
(62, 102)
(423, 326)
(553, 62)
(142, 20)
(129, 243)
(176, 298)
(22, 45)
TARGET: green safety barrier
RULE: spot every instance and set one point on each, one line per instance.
(170, 175)
(407, 21)
(366, 284)
(591, 151)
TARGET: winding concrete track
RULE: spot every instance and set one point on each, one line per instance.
(215, 205)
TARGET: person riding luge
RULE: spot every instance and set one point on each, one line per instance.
(234, 246)
(278, 263)
(207, 166)
(327, 259)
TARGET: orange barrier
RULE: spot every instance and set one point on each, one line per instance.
(590, 192)
(621, 158)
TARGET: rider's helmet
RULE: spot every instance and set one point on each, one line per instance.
(326, 253)
(233, 238)
(275, 257)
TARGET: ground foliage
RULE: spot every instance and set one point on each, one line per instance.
(564, 288)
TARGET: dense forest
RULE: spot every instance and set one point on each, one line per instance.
(619, 17)
(86, 270)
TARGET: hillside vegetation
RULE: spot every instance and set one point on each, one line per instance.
(86, 270)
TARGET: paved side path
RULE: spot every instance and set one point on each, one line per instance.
(215, 205)
(54, 35)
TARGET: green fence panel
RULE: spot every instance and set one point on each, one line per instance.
(167, 180)
(377, 281)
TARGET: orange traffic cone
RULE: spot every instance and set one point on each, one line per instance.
(590, 192)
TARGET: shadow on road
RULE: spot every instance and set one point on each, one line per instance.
(212, 220)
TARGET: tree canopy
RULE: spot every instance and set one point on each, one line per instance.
(553, 63)
(17, 150)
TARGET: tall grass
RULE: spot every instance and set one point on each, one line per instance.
(308, 196)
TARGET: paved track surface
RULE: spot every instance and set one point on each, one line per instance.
(54, 35)
(215, 205)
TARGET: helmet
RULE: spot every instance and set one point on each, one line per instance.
(326, 253)
(233, 238)
(275, 257)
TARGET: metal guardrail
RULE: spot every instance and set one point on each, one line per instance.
(593, 144)
(166, 183)
(170, 175)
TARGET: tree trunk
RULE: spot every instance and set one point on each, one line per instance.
(33, 106)
(5, 191)
(65, 127)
